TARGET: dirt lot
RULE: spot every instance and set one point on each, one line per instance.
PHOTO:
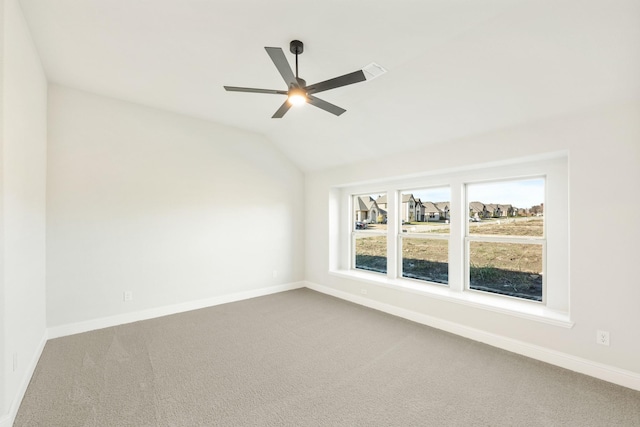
(506, 268)
(510, 227)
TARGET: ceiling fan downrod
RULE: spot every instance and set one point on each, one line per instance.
(296, 47)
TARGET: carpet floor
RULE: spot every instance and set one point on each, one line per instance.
(301, 358)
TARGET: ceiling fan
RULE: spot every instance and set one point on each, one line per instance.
(298, 92)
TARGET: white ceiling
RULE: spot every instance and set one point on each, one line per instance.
(455, 67)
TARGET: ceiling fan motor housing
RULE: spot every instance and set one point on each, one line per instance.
(296, 47)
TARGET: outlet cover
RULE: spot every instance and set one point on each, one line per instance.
(602, 337)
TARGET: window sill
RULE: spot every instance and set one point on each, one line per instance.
(504, 305)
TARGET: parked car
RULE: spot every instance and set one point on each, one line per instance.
(361, 225)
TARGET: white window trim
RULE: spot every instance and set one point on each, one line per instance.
(555, 307)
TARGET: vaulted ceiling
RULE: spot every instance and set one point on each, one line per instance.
(455, 67)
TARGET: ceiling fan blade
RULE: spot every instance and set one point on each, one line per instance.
(326, 106)
(347, 79)
(282, 110)
(281, 63)
(252, 90)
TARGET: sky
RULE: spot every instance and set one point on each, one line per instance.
(521, 194)
(432, 194)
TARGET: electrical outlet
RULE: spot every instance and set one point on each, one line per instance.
(275, 274)
(363, 291)
(127, 296)
(602, 337)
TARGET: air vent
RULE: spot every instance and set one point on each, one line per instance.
(373, 70)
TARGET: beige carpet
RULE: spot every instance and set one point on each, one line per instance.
(301, 358)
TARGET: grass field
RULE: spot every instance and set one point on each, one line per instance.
(506, 268)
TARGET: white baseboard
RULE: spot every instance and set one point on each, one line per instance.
(121, 319)
(584, 366)
(8, 419)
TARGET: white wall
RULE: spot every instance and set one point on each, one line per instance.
(23, 153)
(3, 418)
(171, 208)
(604, 182)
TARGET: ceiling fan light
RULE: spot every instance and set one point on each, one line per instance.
(297, 97)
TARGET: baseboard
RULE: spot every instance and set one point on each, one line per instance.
(584, 366)
(121, 319)
(8, 419)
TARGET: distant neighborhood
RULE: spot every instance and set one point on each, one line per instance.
(370, 210)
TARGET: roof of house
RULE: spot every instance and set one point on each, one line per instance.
(407, 197)
(365, 203)
(430, 207)
(476, 206)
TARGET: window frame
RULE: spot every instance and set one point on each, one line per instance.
(554, 309)
(355, 233)
(533, 240)
(401, 235)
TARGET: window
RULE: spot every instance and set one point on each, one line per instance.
(424, 243)
(369, 233)
(505, 239)
(494, 237)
